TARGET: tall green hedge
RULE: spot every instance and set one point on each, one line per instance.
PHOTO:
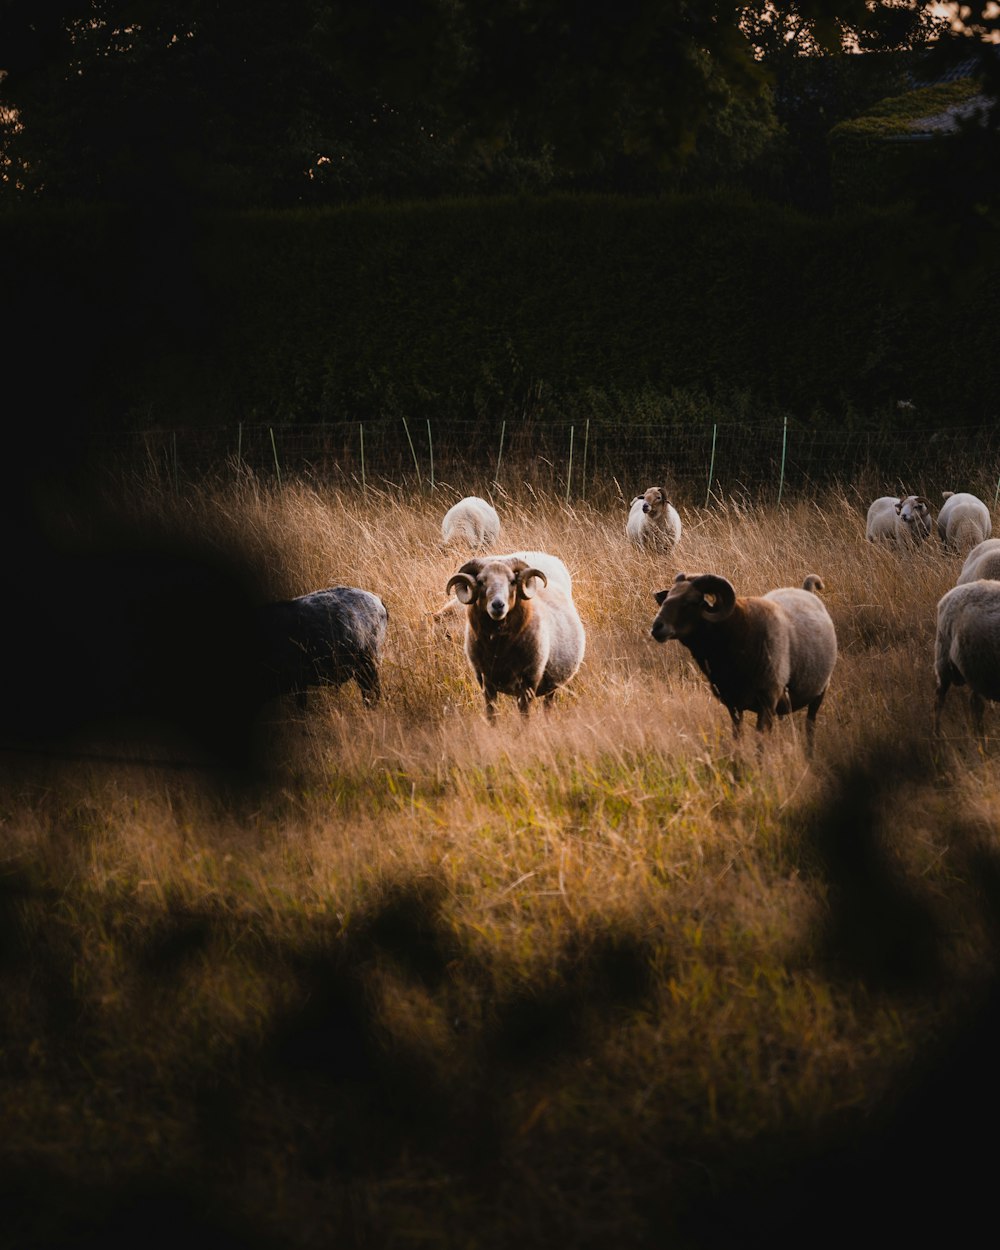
(498, 307)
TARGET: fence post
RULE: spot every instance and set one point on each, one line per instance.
(503, 430)
(412, 450)
(996, 497)
(784, 445)
(583, 463)
(569, 469)
(711, 466)
(430, 448)
(361, 432)
(274, 449)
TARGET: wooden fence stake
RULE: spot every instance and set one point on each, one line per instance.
(711, 466)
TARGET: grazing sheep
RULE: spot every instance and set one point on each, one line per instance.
(653, 520)
(963, 520)
(907, 521)
(523, 635)
(472, 521)
(325, 638)
(967, 647)
(770, 655)
(983, 561)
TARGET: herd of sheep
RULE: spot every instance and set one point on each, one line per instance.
(770, 655)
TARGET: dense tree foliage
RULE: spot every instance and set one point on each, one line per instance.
(240, 102)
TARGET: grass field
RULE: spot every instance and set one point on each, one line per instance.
(601, 978)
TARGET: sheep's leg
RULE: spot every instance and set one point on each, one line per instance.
(490, 695)
(944, 682)
(977, 706)
(811, 710)
(524, 700)
(369, 683)
(736, 716)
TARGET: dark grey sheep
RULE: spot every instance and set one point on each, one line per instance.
(325, 638)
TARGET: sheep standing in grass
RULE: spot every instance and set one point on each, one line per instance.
(523, 634)
(770, 655)
(472, 522)
(653, 520)
(967, 647)
(906, 521)
(983, 561)
(963, 520)
(325, 638)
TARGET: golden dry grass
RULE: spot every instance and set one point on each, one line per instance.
(563, 962)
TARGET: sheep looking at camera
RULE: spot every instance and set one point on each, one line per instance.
(963, 520)
(770, 655)
(472, 521)
(967, 647)
(523, 635)
(653, 520)
(906, 521)
(325, 638)
(983, 561)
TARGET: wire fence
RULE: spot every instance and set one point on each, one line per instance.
(581, 461)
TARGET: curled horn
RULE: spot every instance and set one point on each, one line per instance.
(524, 576)
(464, 587)
(723, 592)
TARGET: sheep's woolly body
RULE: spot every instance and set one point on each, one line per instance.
(967, 645)
(983, 561)
(964, 520)
(653, 521)
(472, 521)
(328, 637)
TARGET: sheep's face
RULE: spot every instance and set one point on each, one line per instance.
(689, 603)
(495, 586)
(654, 503)
(915, 513)
(680, 610)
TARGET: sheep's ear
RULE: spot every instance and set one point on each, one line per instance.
(660, 595)
(681, 577)
(899, 506)
(663, 495)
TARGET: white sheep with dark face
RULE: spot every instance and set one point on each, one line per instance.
(523, 634)
(905, 521)
(653, 521)
(472, 522)
(964, 520)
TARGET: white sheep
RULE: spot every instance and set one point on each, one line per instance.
(983, 561)
(905, 521)
(963, 520)
(771, 655)
(967, 647)
(523, 634)
(653, 520)
(472, 521)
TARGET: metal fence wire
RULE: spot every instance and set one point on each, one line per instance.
(580, 461)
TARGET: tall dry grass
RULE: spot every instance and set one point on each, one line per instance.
(443, 982)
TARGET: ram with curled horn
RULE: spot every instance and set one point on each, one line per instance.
(771, 655)
(523, 634)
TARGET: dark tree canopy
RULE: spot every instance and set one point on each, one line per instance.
(245, 103)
